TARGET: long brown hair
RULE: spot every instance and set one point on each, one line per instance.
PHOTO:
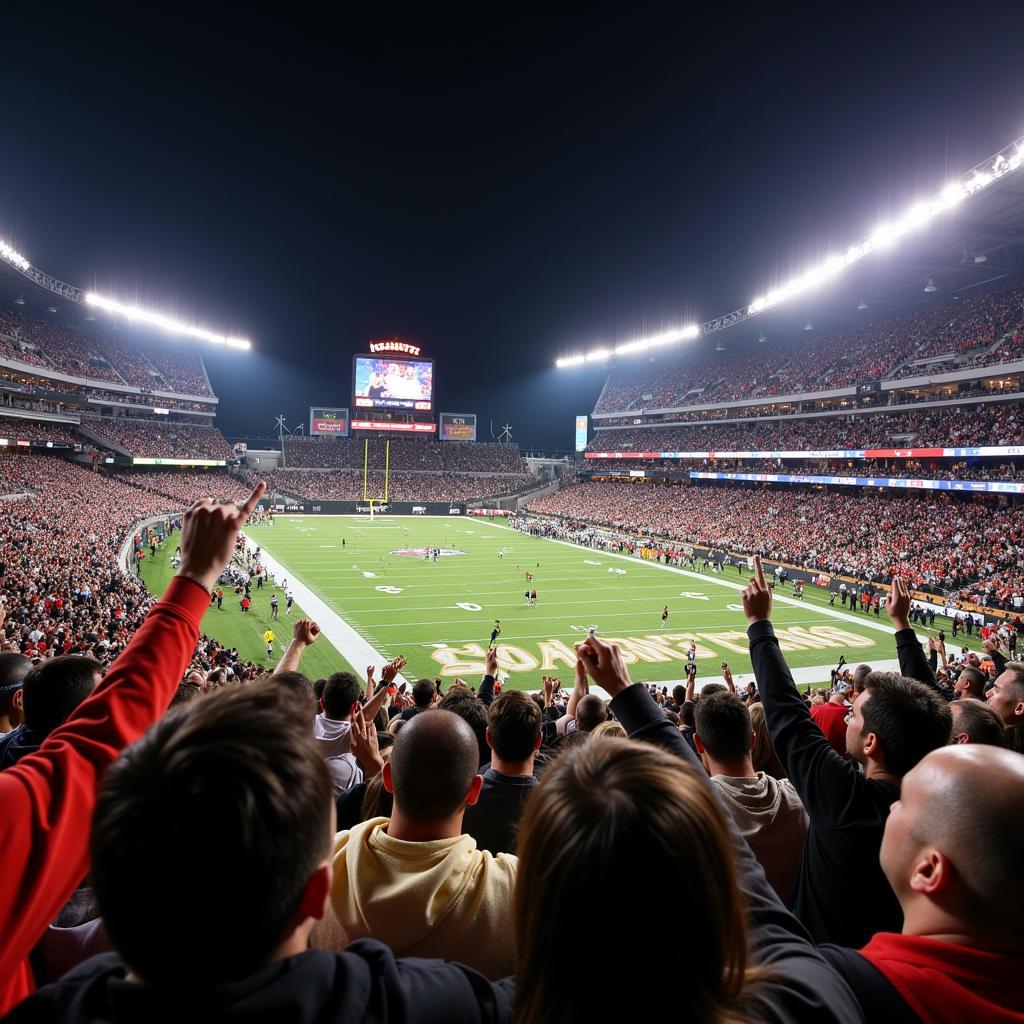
(611, 820)
(763, 755)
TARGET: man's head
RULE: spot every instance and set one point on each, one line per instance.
(1006, 697)
(709, 688)
(423, 693)
(473, 712)
(341, 694)
(841, 692)
(953, 846)
(513, 727)
(970, 683)
(297, 684)
(433, 768)
(860, 674)
(895, 722)
(55, 688)
(678, 694)
(13, 669)
(724, 735)
(590, 712)
(975, 722)
(229, 805)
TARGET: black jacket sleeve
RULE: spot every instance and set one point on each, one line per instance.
(486, 690)
(800, 985)
(914, 665)
(825, 781)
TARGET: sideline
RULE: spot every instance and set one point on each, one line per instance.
(350, 644)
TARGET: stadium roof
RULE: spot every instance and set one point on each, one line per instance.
(972, 242)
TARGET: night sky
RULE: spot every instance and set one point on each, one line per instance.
(500, 183)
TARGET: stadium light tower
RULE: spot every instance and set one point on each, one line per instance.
(977, 179)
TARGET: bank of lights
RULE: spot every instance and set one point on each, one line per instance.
(917, 216)
(167, 323)
(13, 256)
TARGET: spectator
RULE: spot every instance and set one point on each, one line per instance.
(893, 724)
(1006, 698)
(415, 881)
(975, 722)
(13, 669)
(424, 694)
(513, 733)
(52, 691)
(332, 728)
(768, 813)
(830, 717)
(952, 852)
(259, 809)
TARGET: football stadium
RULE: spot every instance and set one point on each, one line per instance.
(412, 564)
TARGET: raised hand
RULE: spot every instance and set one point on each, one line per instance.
(208, 535)
(391, 669)
(757, 598)
(897, 604)
(305, 632)
(365, 747)
(491, 663)
(603, 663)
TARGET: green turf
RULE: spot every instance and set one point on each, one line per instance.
(244, 631)
(439, 615)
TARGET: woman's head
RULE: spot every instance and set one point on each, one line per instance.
(608, 817)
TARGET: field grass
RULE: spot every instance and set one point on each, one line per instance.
(439, 615)
(244, 631)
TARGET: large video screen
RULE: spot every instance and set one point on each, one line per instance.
(329, 421)
(393, 383)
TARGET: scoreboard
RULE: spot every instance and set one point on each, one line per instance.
(458, 426)
(328, 421)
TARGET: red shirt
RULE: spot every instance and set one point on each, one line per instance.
(831, 720)
(47, 798)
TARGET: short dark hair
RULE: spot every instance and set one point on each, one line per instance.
(54, 688)
(433, 762)
(299, 685)
(514, 724)
(711, 688)
(679, 693)
(590, 712)
(686, 713)
(473, 712)
(909, 718)
(981, 723)
(860, 673)
(185, 693)
(722, 722)
(13, 669)
(233, 788)
(423, 692)
(340, 693)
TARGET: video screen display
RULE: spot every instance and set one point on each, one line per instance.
(393, 383)
(330, 421)
(458, 426)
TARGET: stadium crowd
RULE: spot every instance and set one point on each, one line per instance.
(995, 423)
(838, 860)
(102, 358)
(161, 438)
(415, 454)
(348, 485)
(971, 550)
(20, 428)
(186, 488)
(968, 329)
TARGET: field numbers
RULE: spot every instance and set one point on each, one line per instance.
(389, 589)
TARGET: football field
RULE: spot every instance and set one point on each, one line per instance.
(377, 593)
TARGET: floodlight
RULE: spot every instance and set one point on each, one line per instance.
(808, 326)
(862, 304)
(166, 323)
(930, 286)
(20, 300)
(981, 258)
(13, 256)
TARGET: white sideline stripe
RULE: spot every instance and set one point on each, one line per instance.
(350, 644)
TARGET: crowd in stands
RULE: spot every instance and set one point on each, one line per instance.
(185, 488)
(995, 423)
(161, 438)
(970, 549)
(968, 329)
(350, 849)
(348, 485)
(100, 357)
(405, 454)
(19, 428)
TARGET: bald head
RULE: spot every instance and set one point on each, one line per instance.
(953, 847)
(433, 764)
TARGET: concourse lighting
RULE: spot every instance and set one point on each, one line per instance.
(862, 304)
(167, 323)
(916, 216)
(930, 286)
(981, 258)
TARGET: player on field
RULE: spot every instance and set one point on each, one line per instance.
(495, 633)
(664, 615)
(273, 606)
(533, 598)
(268, 638)
(290, 599)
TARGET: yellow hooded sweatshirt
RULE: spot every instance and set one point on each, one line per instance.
(443, 898)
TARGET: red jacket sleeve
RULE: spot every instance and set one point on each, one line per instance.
(47, 799)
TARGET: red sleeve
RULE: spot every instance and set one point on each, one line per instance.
(47, 799)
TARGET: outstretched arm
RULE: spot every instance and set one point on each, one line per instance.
(304, 634)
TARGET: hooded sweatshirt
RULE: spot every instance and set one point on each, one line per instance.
(364, 983)
(333, 738)
(773, 821)
(441, 898)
